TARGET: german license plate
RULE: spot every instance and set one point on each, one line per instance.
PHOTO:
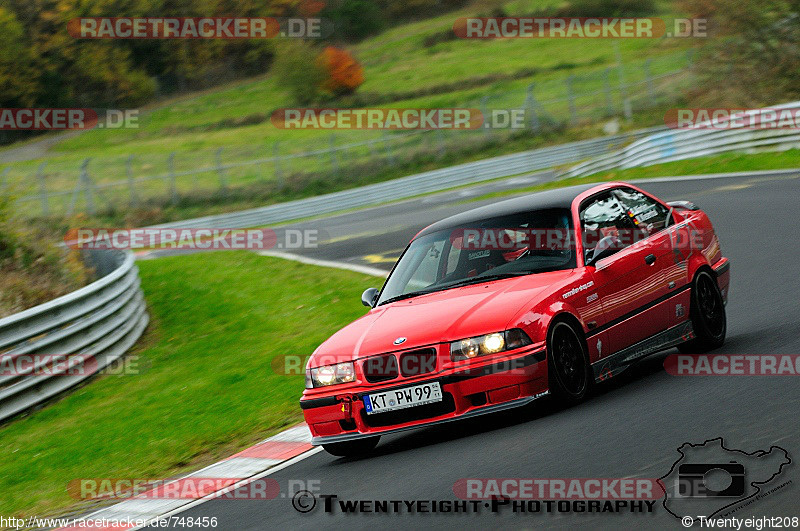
(416, 395)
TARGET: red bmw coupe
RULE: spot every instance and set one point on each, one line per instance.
(496, 307)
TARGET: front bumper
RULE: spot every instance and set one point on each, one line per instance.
(467, 392)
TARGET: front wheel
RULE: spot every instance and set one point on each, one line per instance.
(568, 365)
(356, 448)
(707, 313)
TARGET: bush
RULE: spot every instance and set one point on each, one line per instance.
(752, 55)
(297, 68)
(33, 268)
(344, 73)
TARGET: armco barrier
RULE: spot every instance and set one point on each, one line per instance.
(98, 322)
(679, 144)
(422, 183)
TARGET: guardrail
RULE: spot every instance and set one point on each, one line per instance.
(422, 183)
(679, 144)
(50, 348)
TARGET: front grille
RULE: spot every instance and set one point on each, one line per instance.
(380, 368)
(410, 414)
(418, 362)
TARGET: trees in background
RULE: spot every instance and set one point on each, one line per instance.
(752, 54)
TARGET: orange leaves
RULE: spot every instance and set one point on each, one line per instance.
(344, 73)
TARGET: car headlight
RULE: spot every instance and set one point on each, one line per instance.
(472, 347)
(331, 375)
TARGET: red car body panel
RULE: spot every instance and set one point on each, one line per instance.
(625, 307)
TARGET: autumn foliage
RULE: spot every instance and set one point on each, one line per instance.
(343, 73)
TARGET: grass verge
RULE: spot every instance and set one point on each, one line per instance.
(725, 163)
(206, 389)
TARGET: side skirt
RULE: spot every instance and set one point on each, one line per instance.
(614, 364)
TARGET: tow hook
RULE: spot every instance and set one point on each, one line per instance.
(346, 407)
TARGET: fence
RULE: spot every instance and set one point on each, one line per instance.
(469, 173)
(50, 348)
(69, 186)
(679, 144)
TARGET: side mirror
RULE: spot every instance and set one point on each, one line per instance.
(604, 248)
(370, 297)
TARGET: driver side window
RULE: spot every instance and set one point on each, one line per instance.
(602, 217)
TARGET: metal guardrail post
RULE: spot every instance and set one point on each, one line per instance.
(133, 198)
(531, 105)
(223, 182)
(571, 99)
(173, 192)
(42, 188)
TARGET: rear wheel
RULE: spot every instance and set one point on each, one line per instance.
(356, 448)
(568, 365)
(707, 313)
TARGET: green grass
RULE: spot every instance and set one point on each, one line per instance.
(724, 163)
(395, 62)
(218, 320)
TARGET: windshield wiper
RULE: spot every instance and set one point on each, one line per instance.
(406, 296)
(486, 278)
(457, 283)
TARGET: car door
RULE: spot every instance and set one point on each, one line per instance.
(669, 244)
(630, 281)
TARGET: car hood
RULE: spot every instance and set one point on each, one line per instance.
(439, 317)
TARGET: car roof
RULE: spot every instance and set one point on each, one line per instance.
(557, 198)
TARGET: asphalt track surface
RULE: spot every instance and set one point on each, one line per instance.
(630, 427)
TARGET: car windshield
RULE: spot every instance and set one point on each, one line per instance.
(506, 246)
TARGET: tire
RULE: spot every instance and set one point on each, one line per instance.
(568, 369)
(707, 313)
(356, 448)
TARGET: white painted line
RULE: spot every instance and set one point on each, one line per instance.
(235, 486)
(236, 467)
(374, 271)
(136, 509)
(299, 433)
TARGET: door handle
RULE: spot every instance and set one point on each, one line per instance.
(650, 259)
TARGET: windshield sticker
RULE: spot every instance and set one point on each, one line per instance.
(478, 254)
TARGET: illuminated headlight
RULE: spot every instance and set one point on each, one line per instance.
(473, 347)
(331, 375)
